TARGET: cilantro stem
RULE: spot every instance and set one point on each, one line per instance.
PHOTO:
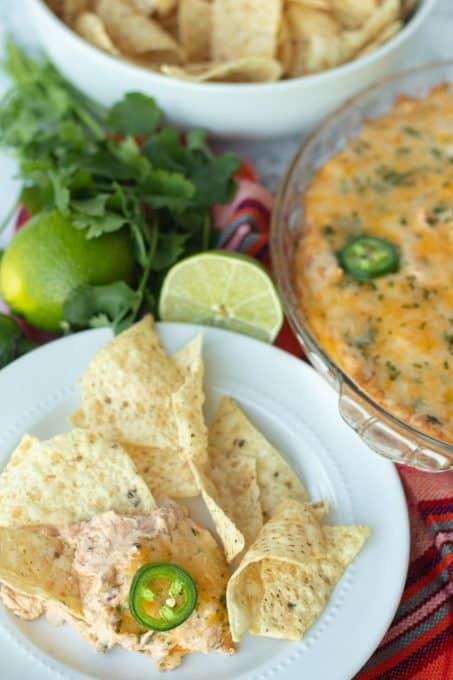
(89, 121)
(154, 237)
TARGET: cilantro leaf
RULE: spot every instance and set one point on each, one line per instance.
(86, 305)
(136, 114)
(196, 141)
(165, 151)
(214, 180)
(95, 206)
(97, 225)
(169, 249)
(13, 342)
(162, 189)
(61, 193)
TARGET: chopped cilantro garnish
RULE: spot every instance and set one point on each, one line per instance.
(409, 130)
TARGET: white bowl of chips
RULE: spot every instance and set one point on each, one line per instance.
(169, 49)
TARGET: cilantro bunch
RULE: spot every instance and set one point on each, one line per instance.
(108, 169)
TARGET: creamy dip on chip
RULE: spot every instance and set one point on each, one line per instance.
(108, 551)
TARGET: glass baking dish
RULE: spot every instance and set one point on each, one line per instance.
(379, 429)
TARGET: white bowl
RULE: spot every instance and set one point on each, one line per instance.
(254, 110)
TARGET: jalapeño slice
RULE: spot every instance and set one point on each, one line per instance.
(367, 257)
(162, 596)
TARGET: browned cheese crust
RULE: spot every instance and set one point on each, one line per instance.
(393, 335)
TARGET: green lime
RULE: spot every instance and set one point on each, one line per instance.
(222, 289)
(49, 257)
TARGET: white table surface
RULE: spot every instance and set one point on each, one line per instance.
(271, 157)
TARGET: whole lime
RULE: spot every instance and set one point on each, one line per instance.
(49, 257)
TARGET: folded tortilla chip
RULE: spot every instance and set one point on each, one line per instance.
(235, 479)
(70, 9)
(232, 433)
(315, 39)
(39, 566)
(320, 42)
(69, 478)
(131, 31)
(285, 46)
(245, 29)
(160, 7)
(286, 577)
(193, 441)
(153, 60)
(353, 13)
(92, 29)
(245, 70)
(126, 397)
(195, 28)
(388, 33)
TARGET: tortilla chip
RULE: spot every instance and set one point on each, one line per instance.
(91, 28)
(235, 479)
(170, 24)
(187, 404)
(353, 13)
(245, 29)
(193, 447)
(127, 389)
(320, 508)
(286, 577)
(153, 60)
(164, 471)
(299, 598)
(132, 32)
(285, 46)
(165, 7)
(160, 7)
(314, 4)
(69, 478)
(39, 566)
(71, 9)
(247, 70)
(320, 42)
(145, 7)
(408, 8)
(387, 12)
(142, 384)
(231, 433)
(388, 33)
(232, 538)
(345, 541)
(315, 39)
(189, 360)
(195, 28)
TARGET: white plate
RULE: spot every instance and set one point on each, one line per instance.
(296, 410)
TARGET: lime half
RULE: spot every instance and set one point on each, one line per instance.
(222, 289)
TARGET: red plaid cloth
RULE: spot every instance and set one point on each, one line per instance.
(419, 643)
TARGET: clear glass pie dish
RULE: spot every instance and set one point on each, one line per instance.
(381, 430)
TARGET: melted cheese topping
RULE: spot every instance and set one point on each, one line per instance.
(393, 335)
